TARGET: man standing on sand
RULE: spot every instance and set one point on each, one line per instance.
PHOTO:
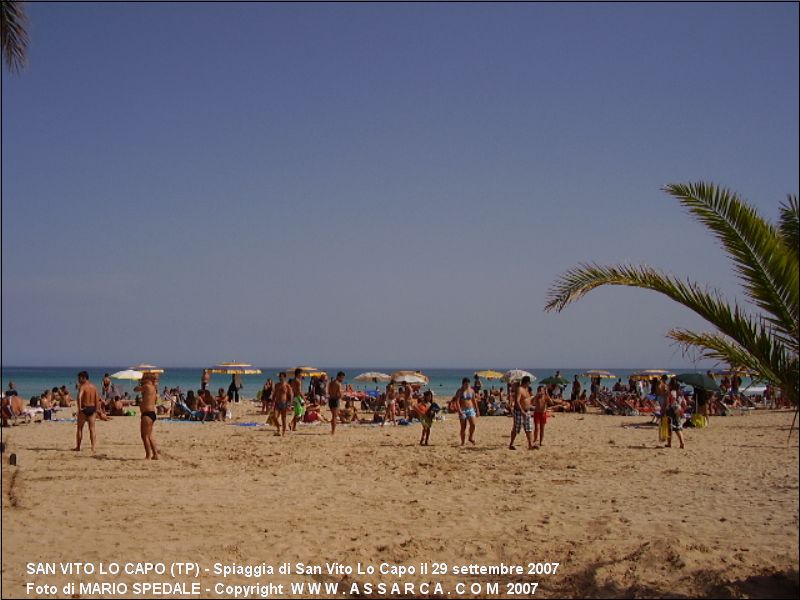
(522, 418)
(88, 400)
(282, 396)
(149, 390)
(576, 389)
(334, 398)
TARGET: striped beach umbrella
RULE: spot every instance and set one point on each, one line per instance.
(598, 373)
(515, 375)
(373, 376)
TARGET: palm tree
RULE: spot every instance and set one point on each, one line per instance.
(765, 257)
(14, 35)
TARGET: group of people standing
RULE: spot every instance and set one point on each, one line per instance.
(278, 399)
(90, 406)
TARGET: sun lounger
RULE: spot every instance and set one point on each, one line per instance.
(194, 415)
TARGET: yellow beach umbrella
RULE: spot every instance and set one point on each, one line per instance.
(599, 373)
(648, 374)
(234, 368)
(307, 371)
(489, 374)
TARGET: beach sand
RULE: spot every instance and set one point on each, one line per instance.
(622, 516)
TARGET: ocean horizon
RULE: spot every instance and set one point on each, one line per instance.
(33, 380)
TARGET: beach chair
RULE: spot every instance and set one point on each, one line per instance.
(191, 415)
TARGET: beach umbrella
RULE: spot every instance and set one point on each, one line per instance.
(373, 376)
(234, 368)
(489, 374)
(147, 368)
(648, 374)
(599, 373)
(555, 380)
(698, 380)
(517, 375)
(307, 372)
(416, 377)
(128, 374)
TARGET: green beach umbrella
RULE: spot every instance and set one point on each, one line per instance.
(555, 380)
(698, 380)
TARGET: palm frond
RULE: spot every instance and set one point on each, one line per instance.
(14, 42)
(752, 334)
(769, 271)
(789, 225)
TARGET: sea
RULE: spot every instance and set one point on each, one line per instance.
(33, 381)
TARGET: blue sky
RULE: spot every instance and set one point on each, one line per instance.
(389, 185)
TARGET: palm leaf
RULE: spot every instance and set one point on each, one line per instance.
(789, 224)
(14, 42)
(753, 336)
(769, 271)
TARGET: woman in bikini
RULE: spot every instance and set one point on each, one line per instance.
(391, 404)
(465, 402)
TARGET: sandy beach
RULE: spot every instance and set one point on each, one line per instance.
(622, 516)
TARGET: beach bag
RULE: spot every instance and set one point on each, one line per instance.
(663, 429)
(699, 420)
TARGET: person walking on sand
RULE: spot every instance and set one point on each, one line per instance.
(149, 390)
(539, 415)
(675, 413)
(522, 418)
(465, 402)
(334, 398)
(298, 402)
(282, 396)
(426, 411)
(266, 397)
(205, 379)
(88, 401)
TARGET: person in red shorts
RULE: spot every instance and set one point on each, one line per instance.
(539, 415)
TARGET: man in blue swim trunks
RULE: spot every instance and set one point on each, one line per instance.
(88, 401)
(282, 396)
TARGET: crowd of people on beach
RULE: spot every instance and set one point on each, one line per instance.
(287, 402)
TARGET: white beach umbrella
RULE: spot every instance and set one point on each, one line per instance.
(373, 376)
(517, 375)
(413, 377)
(128, 374)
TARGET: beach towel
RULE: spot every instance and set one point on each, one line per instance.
(663, 429)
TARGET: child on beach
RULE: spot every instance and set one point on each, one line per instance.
(426, 410)
(539, 415)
